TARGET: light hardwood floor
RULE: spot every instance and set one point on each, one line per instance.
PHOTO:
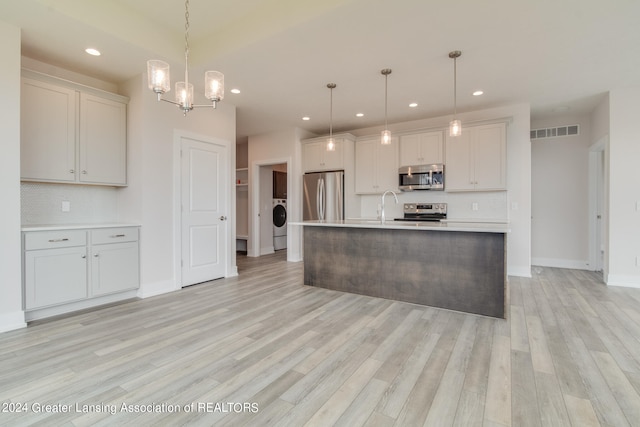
(568, 354)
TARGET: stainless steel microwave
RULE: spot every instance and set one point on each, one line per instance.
(421, 177)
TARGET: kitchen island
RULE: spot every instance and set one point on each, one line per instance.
(455, 265)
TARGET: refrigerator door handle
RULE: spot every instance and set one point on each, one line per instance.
(318, 184)
(322, 201)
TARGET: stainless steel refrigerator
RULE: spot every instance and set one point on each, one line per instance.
(323, 196)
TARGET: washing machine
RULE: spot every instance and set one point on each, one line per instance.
(279, 224)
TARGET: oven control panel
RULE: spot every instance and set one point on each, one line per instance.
(425, 208)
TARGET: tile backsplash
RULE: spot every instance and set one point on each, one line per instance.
(41, 203)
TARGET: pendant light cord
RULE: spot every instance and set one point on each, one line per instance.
(386, 76)
(330, 112)
(455, 86)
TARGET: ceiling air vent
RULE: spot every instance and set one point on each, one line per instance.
(556, 132)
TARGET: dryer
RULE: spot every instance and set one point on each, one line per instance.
(279, 224)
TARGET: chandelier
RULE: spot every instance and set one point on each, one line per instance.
(159, 80)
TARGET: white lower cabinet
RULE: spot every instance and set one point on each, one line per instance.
(55, 276)
(58, 276)
(114, 268)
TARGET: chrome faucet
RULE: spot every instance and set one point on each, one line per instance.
(382, 204)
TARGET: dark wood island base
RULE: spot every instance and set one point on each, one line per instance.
(457, 270)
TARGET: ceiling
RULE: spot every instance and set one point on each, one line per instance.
(559, 56)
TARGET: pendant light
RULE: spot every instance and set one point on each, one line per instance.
(455, 126)
(331, 143)
(159, 81)
(386, 134)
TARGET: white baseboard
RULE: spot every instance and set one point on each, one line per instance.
(519, 271)
(624, 281)
(233, 272)
(158, 288)
(267, 251)
(12, 321)
(573, 264)
(43, 313)
(293, 257)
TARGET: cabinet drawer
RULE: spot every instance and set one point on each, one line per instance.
(54, 239)
(114, 235)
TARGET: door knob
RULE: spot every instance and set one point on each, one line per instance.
(223, 218)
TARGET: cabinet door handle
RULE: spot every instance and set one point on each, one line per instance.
(58, 240)
(84, 172)
(96, 255)
(113, 236)
(72, 171)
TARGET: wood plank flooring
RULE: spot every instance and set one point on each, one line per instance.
(269, 351)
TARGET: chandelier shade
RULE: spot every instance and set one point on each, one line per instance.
(214, 86)
(158, 76)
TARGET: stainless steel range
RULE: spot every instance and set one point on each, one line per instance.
(424, 212)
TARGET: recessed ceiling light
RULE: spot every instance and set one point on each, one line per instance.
(306, 118)
(478, 93)
(236, 91)
(413, 105)
(360, 115)
(92, 51)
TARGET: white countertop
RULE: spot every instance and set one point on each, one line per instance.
(54, 227)
(476, 227)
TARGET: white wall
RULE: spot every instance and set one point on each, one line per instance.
(41, 203)
(11, 314)
(560, 198)
(268, 149)
(624, 188)
(513, 205)
(149, 197)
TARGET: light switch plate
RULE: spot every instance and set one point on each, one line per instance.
(66, 206)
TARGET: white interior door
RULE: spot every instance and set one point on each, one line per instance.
(204, 211)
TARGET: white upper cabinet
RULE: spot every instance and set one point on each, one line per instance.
(477, 159)
(103, 141)
(48, 132)
(71, 133)
(422, 149)
(376, 166)
(316, 158)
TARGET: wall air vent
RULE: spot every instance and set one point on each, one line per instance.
(556, 132)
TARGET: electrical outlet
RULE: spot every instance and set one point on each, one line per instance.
(66, 206)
